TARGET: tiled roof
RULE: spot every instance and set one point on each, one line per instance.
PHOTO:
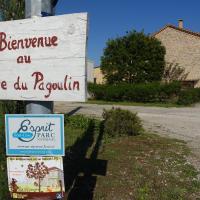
(179, 29)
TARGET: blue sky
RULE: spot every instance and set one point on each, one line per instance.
(112, 18)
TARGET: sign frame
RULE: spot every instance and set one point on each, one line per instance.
(37, 151)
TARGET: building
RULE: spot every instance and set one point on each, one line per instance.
(90, 71)
(53, 181)
(98, 76)
(182, 47)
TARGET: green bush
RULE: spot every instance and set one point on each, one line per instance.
(4, 194)
(96, 90)
(6, 107)
(150, 92)
(119, 122)
(189, 96)
(77, 121)
(12, 107)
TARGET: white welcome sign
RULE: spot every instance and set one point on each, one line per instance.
(44, 58)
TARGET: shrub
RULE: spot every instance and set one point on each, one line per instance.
(77, 121)
(12, 107)
(169, 92)
(4, 193)
(96, 91)
(119, 122)
(189, 96)
(151, 92)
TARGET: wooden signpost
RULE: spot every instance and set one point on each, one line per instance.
(41, 59)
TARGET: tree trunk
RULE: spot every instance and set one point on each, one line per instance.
(39, 184)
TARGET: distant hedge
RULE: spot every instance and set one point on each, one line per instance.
(189, 96)
(151, 92)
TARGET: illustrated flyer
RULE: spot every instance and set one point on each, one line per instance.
(34, 177)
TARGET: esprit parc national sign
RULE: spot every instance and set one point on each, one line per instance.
(44, 59)
(31, 135)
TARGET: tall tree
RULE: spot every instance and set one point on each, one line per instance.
(133, 58)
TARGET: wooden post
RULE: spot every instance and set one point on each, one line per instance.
(34, 8)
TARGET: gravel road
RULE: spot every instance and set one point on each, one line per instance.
(180, 123)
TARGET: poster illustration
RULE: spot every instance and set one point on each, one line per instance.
(34, 177)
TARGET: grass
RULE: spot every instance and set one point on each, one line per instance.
(165, 105)
(141, 167)
(144, 167)
(147, 167)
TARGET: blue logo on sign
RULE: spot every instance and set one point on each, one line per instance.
(23, 135)
(28, 132)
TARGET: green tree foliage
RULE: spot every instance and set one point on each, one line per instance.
(133, 58)
(12, 9)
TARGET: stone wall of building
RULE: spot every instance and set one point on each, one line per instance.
(184, 49)
(98, 76)
(90, 69)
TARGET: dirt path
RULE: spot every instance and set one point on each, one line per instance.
(180, 123)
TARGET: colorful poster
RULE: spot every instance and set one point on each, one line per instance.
(36, 177)
(35, 135)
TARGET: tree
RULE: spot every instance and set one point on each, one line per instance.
(133, 58)
(173, 72)
(38, 172)
(12, 9)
